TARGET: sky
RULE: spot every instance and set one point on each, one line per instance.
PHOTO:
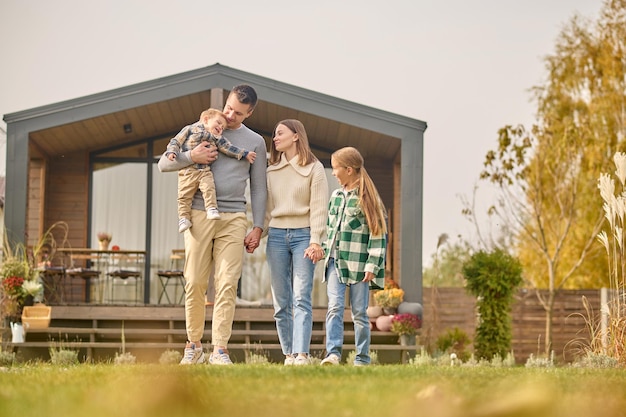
(463, 67)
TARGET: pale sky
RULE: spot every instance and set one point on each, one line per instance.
(463, 67)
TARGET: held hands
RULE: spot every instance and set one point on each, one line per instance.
(314, 252)
(204, 153)
(253, 239)
(251, 156)
(171, 156)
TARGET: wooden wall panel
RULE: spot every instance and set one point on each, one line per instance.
(68, 197)
(35, 202)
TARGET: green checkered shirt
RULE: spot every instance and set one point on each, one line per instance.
(356, 250)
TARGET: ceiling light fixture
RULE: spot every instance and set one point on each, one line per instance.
(128, 128)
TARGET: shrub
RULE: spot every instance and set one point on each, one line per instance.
(493, 278)
(63, 357)
(7, 358)
(455, 341)
(170, 357)
(125, 358)
(352, 356)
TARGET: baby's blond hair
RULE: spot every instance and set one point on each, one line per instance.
(210, 113)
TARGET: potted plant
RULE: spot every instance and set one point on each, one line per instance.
(19, 288)
(406, 326)
(14, 271)
(389, 299)
(19, 273)
(104, 239)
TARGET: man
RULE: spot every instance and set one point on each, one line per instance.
(219, 242)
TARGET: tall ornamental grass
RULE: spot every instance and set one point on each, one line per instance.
(607, 332)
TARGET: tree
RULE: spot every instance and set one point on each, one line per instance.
(447, 268)
(547, 176)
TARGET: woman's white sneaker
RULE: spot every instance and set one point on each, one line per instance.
(331, 359)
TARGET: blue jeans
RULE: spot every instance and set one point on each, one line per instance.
(292, 287)
(359, 300)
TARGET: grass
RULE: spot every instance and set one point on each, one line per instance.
(277, 391)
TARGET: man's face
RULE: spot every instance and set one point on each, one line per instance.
(235, 112)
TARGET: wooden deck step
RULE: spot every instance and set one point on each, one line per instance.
(96, 332)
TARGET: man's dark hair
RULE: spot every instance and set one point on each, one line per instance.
(245, 94)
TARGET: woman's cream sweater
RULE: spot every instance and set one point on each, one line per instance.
(297, 197)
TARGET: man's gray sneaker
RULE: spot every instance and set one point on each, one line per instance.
(192, 355)
(220, 358)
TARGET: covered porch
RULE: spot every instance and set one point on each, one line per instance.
(90, 163)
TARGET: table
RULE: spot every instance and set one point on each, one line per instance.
(106, 263)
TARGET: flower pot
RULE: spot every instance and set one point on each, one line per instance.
(407, 340)
(374, 312)
(103, 244)
(411, 308)
(383, 323)
(29, 300)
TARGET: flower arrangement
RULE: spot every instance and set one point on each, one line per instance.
(405, 324)
(32, 288)
(13, 272)
(12, 286)
(104, 236)
(389, 297)
(16, 290)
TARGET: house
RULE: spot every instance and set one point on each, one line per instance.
(2, 183)
(90, 162)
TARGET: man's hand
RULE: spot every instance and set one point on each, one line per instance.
(253, 239)
(204, 153)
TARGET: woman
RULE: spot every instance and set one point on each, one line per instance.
(297, 196)
(354, 253)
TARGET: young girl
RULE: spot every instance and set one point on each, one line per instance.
(354, 253)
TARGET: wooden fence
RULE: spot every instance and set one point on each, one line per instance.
(446, 308)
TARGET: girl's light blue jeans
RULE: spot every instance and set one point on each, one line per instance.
(292, 287)
(359, 299)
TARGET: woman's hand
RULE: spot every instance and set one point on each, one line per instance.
(314, 252)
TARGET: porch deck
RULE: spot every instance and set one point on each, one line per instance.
(98, 332)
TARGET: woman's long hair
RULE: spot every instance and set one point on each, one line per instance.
(369, 199)
(305, 155)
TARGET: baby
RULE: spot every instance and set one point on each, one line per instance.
(208, 129)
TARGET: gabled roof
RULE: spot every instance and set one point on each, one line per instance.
(159, 108)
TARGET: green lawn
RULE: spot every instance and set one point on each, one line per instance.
(275, 390)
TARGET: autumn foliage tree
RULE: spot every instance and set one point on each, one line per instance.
(547, 175)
